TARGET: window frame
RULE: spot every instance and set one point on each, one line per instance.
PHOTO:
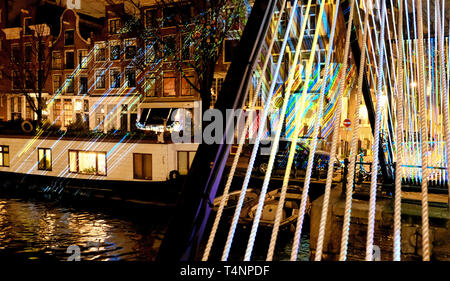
(134, 173)
(2, 155)
(101, 70)
(65, 59)
(73, 38)
(112, 81)
(77, 162)
(45, 163)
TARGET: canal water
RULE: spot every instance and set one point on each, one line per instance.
(44, 230)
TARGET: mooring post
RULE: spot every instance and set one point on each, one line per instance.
(344, 180)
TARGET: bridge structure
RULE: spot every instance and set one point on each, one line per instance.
(299, 66)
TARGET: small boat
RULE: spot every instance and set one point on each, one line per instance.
(290, 209)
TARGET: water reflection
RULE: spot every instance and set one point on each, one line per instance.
(37, 230)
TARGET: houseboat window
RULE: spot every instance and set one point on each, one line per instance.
(4, 156)
(142, 166)
(45, 159)
(184, 161)
(87, 162)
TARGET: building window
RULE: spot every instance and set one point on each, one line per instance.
(70, 89)
(186, 47)
(15, 53)
(83, 85)
(16, 108)
(83, 58)
(100, 79)
(56, 60)
(169, 16)
(29, 113)
(28, 53)
(130, 49)
(68, 37)
(184, 161)
(56, 83)
(87, 162)
(142, 166)
(114, 51)
(150, 85)
(57, 109)
(4, 156)
(16, 80)
(27, 29)
(115, 78)
(151, 18)
(70, 60)
(170, 45)
(229, 49)
(100, 52)
(114, 26)
(169, 87)
(29, 83)
(68, 112)
(186, 87)
(130, 74)
(44, 159)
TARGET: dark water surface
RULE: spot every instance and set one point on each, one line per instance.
(39, 230)
(45, 230)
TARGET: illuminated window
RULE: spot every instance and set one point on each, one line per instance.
(169, 84)
(186, 87)
(68, 112)
(4, 156)
(142, 166)
(100, 79)
(56, 60)
(150, 85)
(44, 159)
(56, 82)
(100, 52)
(184, 161)
(82, 58)
(57, 109)
(114, 26)
(87, 162)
